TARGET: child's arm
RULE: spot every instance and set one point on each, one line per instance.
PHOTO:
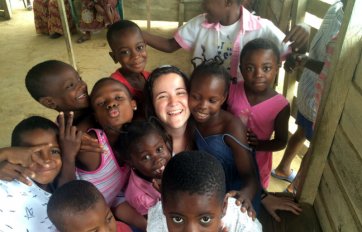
(161, 43)
(15, 162)
(299, 36)
(302, 61)
(244, 164)
(128, 214)
(280, 134)
(69, 140)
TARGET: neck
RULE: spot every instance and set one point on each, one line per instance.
(233, 15)
(179, 139)
(127, 73)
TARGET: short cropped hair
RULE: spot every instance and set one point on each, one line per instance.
(194, 172)
(260, 43)
(30, 124)
(37, 75)
(212, 68)
(71, 198)
(120, 26)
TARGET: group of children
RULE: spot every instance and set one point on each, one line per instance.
(102, 153)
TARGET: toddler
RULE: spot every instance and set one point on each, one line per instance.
(223, 30)
(220, 133)
(129, 50)
(146, 148)
(193, 198)
(261, 109)
(23, 207)
(79, 206)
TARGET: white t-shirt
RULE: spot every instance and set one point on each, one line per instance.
(23, 208)
(234, 219)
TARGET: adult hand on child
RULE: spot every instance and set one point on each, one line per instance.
(273, 203)
(299, 38)
(244, 202)
(252, 138)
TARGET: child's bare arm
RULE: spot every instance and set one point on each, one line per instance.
(299, 36)
(280, 136)
(88, 160)
(128, 214)
(161, 43)
(69, 140)
(245, 166)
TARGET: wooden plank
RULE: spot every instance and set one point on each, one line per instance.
(148, 9)
(298, 11)
(285, 15)
(346, 163)
(317, 8)
(6, 8)
(352, 118)
(344, 62)
(358, 76)
(322, 214)
(335, 204)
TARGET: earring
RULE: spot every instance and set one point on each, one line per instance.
(135, 108)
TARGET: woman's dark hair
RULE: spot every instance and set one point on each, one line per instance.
(133, 131)
(148, 90)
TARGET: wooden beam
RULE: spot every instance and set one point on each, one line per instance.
(298, 11)
(148, 9)
(317, 8)
(344, 62)
(66, 32)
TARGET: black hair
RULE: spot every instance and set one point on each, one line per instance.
(133, 131)
(71, 198)
(120, 26)
(37, 75)
(100, 83)
(257, 44)
(30, 124)
(214, 68)
(194, 172)
(155, 74)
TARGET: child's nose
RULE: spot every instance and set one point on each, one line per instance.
(111, 104)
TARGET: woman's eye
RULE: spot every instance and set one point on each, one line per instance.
(55, 151)
(161, 96)
(205, 220)
(181, 93)
(177, 220)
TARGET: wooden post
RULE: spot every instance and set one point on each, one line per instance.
(66, 32)
(7, 8)
(148, 9)
(343, 65)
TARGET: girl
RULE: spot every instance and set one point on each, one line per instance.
(167, 99)
(147, 149)
(261, 109)
(113, 106)
(220, 134)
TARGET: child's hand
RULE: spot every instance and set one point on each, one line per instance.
(156, 183)
(90, 144)
(294, 60)
(299, 36)
(252, 138)
(244, 202)
(10, 172)
(273, 203)
(69, 138)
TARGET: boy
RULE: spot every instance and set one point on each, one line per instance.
(24, 206)
(193, 198)
(129, 50)
(223, 31)
(79, 206)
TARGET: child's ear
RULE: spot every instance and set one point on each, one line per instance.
(113, 57)
(48, 102)
(134, 105)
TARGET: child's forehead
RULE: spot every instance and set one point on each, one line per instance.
(126, 33)
(109, 85)
(38, 136)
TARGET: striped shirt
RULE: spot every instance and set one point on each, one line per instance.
(109, 178)
(332, 21)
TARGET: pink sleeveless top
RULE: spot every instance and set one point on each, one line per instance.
(260, 119)
(109, 178)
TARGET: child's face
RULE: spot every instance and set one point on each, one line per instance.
(215, 9)
(44, 175)
(129, 49)
(187, 212)
(112, 105)
(68, 92)
(170, 100)
(207, 95)
(259, 69)
(150, 155)
(97, 218)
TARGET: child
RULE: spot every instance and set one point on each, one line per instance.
(261, 109)
(129, 49)
(220, 134)
(79, 206)
(193, 198)
(113, 106)
(147, 149)
(24, 206)
(224, 30)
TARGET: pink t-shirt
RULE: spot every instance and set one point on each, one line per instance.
(109, 177)
(260, 119)
(140, 194)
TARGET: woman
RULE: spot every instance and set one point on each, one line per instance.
(167, 99)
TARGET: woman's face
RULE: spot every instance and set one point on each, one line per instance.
(170, 100)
